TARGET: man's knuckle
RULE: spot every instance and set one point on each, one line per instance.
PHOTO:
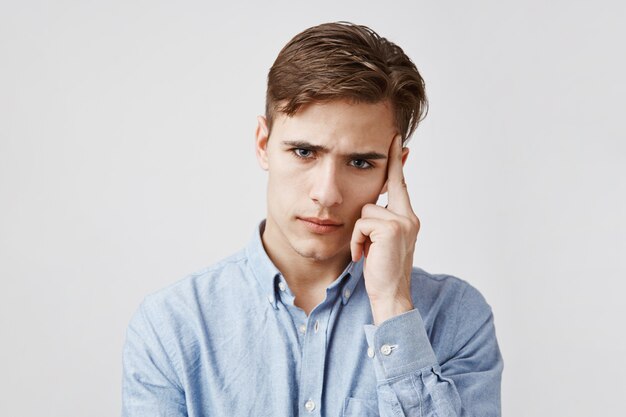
(395, 227)
(415, 221)
(366, 209)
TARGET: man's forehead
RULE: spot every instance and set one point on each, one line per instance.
(340, 126)
(341, 112)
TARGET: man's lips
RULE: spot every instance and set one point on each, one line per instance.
(320, 226)
(323, 222)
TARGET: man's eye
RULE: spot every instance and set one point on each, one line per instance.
(360, 163)
(303, 153)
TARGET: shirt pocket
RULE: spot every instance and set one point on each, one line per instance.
(358, 407)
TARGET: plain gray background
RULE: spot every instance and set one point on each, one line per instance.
(127, 162)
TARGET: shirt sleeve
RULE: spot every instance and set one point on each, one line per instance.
(411, 382)
(150, 386)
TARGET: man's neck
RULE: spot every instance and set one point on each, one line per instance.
(307, 278)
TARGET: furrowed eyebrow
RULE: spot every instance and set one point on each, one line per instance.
(367, 155)
(304, 145)
(318, 148)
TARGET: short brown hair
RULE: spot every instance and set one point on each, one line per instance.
(342, 60)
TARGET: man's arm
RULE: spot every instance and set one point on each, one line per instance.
(150, 385)
(411, 382)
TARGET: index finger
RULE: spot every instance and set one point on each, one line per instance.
(397, 194)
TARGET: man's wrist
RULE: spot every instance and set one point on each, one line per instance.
(387, 308)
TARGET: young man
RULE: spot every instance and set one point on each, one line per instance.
(322, 313)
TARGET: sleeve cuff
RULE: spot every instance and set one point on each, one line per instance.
(400, 345)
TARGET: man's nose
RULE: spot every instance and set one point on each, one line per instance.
(325, 188)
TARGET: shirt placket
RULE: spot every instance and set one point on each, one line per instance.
(313, 361)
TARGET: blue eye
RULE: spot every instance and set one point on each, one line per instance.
(303, 153)
(360, 164)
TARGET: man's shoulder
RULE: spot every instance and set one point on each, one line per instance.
(196, 286)
(446, 292)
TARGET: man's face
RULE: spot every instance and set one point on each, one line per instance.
(324, 164)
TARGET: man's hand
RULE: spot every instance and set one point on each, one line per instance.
(386, 236)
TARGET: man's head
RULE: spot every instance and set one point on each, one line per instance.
(345, 61)
(337, 95)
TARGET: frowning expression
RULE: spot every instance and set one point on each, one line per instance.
(324, 164)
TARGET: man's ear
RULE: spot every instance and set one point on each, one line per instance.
(405, 155)
(262, 136)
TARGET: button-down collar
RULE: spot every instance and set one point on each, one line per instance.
(262, 267)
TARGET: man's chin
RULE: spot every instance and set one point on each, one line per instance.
(319, 252)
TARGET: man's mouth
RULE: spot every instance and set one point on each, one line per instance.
(320, 225)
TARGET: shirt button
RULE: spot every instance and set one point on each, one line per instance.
(347, 293)
(385, 350)
(302, 329)
(282, 286)
(317, 326)
(309, 405)
(270, 298)
(370, 352)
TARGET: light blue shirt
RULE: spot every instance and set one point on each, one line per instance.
(229, 341)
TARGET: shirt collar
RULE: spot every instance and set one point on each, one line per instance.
(348, 280)
(268, 275)
(262, 266)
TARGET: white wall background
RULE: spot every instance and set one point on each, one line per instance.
(126, 162)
